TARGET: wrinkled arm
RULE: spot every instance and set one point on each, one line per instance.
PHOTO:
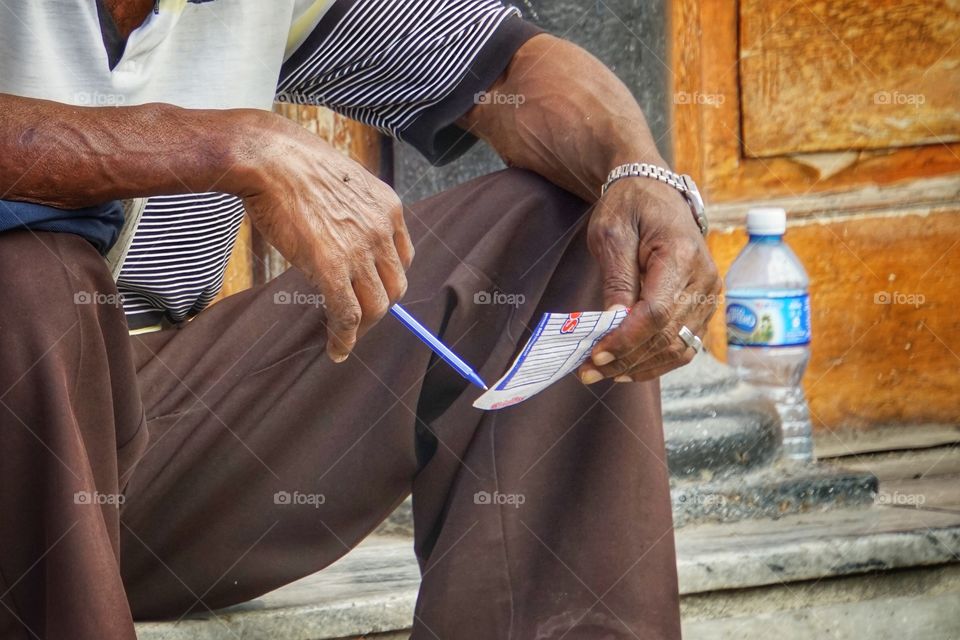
(71, 157)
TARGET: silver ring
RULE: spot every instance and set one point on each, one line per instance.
(691, 339)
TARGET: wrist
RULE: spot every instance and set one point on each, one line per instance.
(631, 155)
(649, 189)
(659, 184)
(636, 153)
(627, 146)
(246, 149)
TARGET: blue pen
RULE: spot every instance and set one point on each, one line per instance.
(438, 347)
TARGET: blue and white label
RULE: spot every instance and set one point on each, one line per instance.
(774, 319)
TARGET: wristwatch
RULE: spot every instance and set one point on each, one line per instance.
(681, 182)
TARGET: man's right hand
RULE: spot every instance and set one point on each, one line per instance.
(324, 212)
(330, 218)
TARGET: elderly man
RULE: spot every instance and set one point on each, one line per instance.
(157, 458)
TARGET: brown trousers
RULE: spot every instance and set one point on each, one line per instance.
(248, 460)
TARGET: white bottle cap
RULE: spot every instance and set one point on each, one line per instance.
(766, 221)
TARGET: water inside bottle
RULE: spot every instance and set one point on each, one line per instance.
(768, 331)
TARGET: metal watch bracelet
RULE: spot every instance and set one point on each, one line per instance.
(681, 182)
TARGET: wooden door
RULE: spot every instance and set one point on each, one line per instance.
(847, 113)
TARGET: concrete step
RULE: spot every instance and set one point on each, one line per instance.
(773, 491)
(883, 572)
(715, 424)
(371, 590)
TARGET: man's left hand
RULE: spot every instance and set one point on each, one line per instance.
(654, 260)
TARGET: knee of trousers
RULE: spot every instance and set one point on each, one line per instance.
(64, 339)
(51, 282)
(526, 222)
(552, 206)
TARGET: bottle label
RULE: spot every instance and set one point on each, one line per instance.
(770, 320)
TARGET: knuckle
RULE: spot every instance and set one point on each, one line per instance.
(348, 319)
(677, 351)
(378, 311)
(617, 281)
(602, 231)
(615, 368)
(715, 288)
(384, 235)
(713, 276)
(685, 250)
(710, 312)
(659, 314)
(660, 342)
(394, 203)
(401, 287)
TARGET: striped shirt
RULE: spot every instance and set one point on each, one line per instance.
(410, 68)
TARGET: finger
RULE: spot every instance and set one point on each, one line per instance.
(651, 314)
(656, 344)
(372, 296)
(662, 363)
(403, 243)
(692, 310)
(661, 368)
(392, 275)
(649, 374)
(615, 246)
(343, 313)
(677, 355)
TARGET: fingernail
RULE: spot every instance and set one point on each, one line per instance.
(603, 358)
(623, 379)
(340, 357)
(591, 376)
(617, 307)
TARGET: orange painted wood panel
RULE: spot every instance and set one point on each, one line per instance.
(885, 294)
(707, 112)
(240, 269)
(853, 74)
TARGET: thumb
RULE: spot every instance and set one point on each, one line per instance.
(615, 243)
(621, 280)
(617, 252)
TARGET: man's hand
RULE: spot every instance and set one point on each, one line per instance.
(336, 222)
(325, 213)
(653, 260)
(575, 124)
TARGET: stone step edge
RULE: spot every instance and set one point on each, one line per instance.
(818, 559)
(347, 619)
(717, 571)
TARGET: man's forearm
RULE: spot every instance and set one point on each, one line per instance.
(562, 113)
(71, 157)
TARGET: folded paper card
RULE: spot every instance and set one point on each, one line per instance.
(559, 344)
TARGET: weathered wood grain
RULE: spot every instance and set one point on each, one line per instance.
(709, 118)
(856, 74)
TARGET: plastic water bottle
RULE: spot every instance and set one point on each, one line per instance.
(768, 324)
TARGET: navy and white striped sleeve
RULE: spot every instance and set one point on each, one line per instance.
(410, 68)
